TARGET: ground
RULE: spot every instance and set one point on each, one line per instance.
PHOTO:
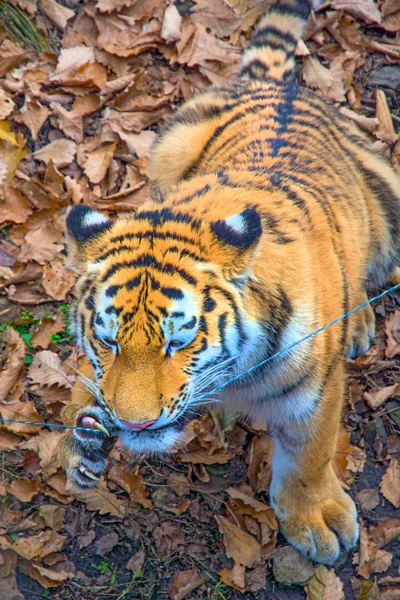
(83, 91)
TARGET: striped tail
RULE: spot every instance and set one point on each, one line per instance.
(271, 51)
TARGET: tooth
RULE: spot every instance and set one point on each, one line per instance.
(101, 428)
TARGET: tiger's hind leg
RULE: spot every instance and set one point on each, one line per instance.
(362, 329)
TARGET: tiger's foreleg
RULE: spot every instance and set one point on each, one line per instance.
(83, 454)
(314, 512)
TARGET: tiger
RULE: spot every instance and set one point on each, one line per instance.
(269, 216)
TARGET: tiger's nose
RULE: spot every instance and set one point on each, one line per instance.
(142, 425)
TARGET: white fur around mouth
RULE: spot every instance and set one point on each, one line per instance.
(150, 441)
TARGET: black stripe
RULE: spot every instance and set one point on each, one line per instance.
(270, 30)
(165, 215)
(148, 261)
(172, 293)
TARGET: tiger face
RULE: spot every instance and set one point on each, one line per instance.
(160, 321)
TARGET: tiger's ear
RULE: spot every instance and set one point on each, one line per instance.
(237, 238)
(84, 226)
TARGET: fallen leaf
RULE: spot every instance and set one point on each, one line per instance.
(325, 585)
(47, 369)
(239, 545)
(385, 130)
(39, 545)
(171, 26)
(46, 445)
(367, 499)
(70, 122)
(369, 591)
(47, 327)
(11, 55)
(23, 489)
(256, 579)
(98, 162)
(168, 538)
(13, 362)
(48, 578)
(375, 397)
(14, 207)
(106, 543)
(234, 577)
(363, 9)
(381, 562)
(250, 506)
(58, 281)
(61, 152)
(33, 115)
(60, 15)
(99, 499)
(136, 561)
(132, 483)
(390, 483)
(185, 582)
(53, 515)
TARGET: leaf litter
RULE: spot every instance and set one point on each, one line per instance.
(76, 125)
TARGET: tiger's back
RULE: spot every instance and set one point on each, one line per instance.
(269, 218)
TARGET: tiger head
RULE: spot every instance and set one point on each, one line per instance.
(160, 312)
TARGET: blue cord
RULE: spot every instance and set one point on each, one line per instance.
(263, 362)
(307, 337)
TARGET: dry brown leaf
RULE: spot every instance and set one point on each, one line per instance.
(33, 115)
(366, 123)
(10, 56)
(98, 498)
(259, 471)
(7, 105)
(316, 75)
(390, 483)
(386, 531)
(47, 327)
(14, 361)
(325, 585)
(234, 577)
(136, 561)
(377, 396)
(48, 578)
(168, 538)
(392, 330)
(58, 281)
(250, 506)
(39, 545)
(98, 162)
(239, 545)
(360, 9)
(53, 515)
(14, 207)
(70, 122)
(132, 483)
(201, 46)
(60, 15)
(385, 130)
(368, 550)
(61, 152)
(47, 369)
(367, 499)
(106, 543)
(171, 26)
(46, 445)
(381, 562)
(24, 489)
(185, 582)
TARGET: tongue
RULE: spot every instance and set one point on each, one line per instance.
(139, 425)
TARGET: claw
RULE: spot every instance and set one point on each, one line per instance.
(101, 427)
(91, 423)
(88, 473)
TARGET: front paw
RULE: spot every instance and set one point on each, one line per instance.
(83, 454)
(317, 521)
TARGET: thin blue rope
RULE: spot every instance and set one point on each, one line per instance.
(256, 366)
(49, 425)
(307, 337)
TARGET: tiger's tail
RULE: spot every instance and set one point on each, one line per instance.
(271, 51)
